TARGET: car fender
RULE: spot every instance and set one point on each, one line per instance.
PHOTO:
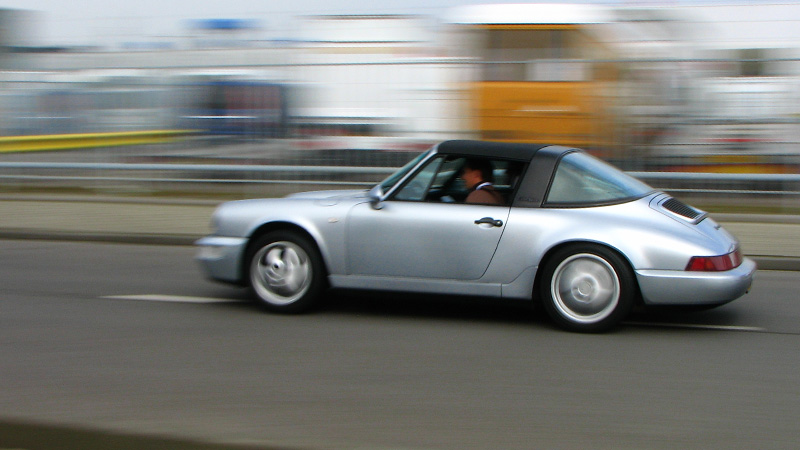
(323, 221)
(646, 238)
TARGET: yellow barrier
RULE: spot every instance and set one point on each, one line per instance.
(10, 144)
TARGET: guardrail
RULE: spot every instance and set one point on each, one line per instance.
(709, 183)
(11, 144)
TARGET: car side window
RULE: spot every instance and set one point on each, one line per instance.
(440, 181)
(417, 187)
(448, 186)
(507, 175)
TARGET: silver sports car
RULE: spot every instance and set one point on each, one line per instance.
(552, 225)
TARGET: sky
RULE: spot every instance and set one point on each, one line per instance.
(115, 22)
(83, 22)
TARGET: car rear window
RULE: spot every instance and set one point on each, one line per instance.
(581, 179)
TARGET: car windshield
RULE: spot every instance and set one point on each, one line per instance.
(397, 176)
(581, 179)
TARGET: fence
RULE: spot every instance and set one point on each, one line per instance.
(701, 132)
(779, 192)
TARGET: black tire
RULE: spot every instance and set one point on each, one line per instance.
(285, 272)
(587, 288)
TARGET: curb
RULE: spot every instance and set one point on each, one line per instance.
(777, 263)
(34, 436)
(755, 218)
(140, 239)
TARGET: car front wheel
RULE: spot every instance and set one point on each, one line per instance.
(285, 272)
(587, 288)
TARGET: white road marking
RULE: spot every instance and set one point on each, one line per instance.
(170, 298)
(695, 326)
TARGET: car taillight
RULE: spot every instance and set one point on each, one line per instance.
(715, 263)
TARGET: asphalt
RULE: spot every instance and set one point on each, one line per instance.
(772, 240)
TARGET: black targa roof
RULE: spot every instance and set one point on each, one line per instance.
(520, 152)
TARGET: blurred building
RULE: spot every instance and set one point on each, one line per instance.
(224, 33)
(406, 75)
(18, 37)
(377, 75)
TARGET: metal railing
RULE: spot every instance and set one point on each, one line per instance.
(44, 173)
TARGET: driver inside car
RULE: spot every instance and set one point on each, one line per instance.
(479, 176)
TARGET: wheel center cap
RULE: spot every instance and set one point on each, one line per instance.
(583, 289)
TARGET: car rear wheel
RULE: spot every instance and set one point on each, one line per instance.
(285, 272)
(587, 288)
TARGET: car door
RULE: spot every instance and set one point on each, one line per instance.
(423, 232)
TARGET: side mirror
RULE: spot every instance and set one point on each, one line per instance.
(375, 196)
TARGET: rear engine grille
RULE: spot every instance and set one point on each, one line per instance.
(682, 209)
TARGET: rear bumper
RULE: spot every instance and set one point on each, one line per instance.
(221, 257)
(671, 287)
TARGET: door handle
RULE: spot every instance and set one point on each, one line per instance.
(489, 221)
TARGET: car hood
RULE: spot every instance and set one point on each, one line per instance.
(328, 194)
(330, 197)
(257, 206)
(241, 217)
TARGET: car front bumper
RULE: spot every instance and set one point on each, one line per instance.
(671, 287)
(221, 257)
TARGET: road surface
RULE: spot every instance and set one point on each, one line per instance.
(131, 339)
